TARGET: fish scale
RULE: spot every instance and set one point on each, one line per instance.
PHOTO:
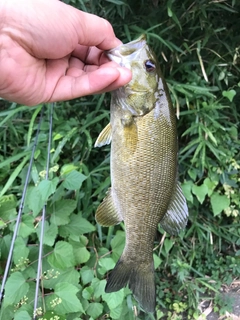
(144, 188)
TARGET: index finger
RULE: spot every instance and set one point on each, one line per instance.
(95, 31)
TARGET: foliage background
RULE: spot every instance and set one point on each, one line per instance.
(198, 46)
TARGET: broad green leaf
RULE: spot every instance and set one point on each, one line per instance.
(16, 288)
(50, 233)
(22, 315)
(116, 312)
(200, 192)
(77, 226)
(69, 301)
(95, 309)
(98, 287)
(54, 276)
(52, 315)
(187, 190)
(62, 256)
(219, 203)
(8, 205)
(20, 252)
(106, 264)
(61, 211)
(38, 196)
(230, 94)
(47, 187)
(117, 244)
(168, 244)
(26, 226)
(34, 200)
(157, 261)
(87, 293)
(73, 180)
(210, 185)
(114, 299)
(81, 254)
(87, 275)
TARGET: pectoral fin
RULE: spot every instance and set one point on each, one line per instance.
(176, 216)
(105, 137)
(107, 215)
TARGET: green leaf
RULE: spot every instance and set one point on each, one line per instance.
(210, 185)
(81, 254)
(38, 196)
(61, 211)
(47, 187)
(8, 205)
(20, 252)
(22, 315)
(69, 301)
(16, 288)
(34, 200)
(116, 312)
(230, 94)
(168, 244)
(157, 261)
(87, 293)
(95, 309)
(50, 233)
(106, 264)
(67, 168)
(77, 226)
(26, 226)
(117, 244)
(219, 203)
(73, 180)
(114, 299)
(98, 287)
(51, 315)
(187, 190)
(200, 192)
(86, 275)
(69, 275)
(62, 256)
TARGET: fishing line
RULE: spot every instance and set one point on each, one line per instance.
(39, 267)
(21, 206)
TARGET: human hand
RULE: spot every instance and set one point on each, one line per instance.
(50, 51)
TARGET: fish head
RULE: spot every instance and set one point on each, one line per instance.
(139, 96)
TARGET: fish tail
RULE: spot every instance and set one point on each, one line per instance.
(140, 280)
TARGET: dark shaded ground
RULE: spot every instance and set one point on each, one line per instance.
(230, 297)
(235, 313)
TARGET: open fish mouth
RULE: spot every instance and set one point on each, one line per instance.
(129, 50)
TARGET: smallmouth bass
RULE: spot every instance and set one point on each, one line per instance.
(144, 188)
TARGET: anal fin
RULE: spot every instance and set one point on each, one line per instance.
(176, 217)
(107, 214)
(105, 137)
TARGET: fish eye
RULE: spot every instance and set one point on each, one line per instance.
(149, 65)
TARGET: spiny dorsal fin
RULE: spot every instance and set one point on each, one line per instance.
(107, 215)
(105, 137)
(176, 217)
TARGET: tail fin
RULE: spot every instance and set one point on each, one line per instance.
(140, 280)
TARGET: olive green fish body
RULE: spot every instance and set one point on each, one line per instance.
(144, 189)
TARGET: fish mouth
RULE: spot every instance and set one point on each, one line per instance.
(130, 49)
